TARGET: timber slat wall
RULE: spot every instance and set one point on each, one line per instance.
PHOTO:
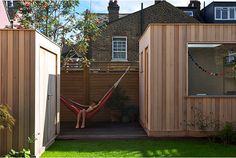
(72, 87)
(220, 109)
(15, 86)
(167, 47)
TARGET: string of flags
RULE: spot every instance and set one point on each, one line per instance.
(203, 69)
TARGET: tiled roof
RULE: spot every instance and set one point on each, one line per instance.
(163, 12)
(103, 17)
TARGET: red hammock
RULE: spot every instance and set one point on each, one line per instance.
(75, 109)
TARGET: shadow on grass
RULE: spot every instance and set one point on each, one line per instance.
(138, 148)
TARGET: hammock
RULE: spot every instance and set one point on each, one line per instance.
(76, 109)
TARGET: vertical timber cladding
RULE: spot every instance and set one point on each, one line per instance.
(19, 84)
(15, 85)
(168, 73)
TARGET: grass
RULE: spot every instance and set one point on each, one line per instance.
(139, 148)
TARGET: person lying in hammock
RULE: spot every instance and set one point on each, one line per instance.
(83, 112)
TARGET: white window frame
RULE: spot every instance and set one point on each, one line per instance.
(188, 11)
(119, 59)
(228, 13)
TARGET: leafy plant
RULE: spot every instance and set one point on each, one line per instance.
(24, 152)
(6, 119)
(227, 135)
(203, 122)
(117, 100)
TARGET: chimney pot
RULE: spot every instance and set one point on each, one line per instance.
(157, 1)
(195, 3)
(113, 10)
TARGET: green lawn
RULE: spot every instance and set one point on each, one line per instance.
(138, 148)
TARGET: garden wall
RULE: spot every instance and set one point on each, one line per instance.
(72, 86)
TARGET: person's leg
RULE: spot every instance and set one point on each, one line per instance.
(84, 117)
(78, 119)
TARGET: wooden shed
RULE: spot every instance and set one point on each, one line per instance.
(30, 85)
(185, 70)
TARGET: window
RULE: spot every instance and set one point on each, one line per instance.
(211, 69)
(189, 13)
(225, 13)
(119, 48)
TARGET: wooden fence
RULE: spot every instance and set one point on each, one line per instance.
(100, 78)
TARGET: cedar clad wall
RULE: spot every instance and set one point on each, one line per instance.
(16, 90)
(29, 84)
(168, 101)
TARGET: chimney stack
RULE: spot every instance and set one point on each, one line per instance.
(195, 3)
(113, 10)
(157, 1)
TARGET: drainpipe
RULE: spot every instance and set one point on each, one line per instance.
(141, 20)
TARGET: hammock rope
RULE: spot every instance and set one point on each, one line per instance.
(76, 107)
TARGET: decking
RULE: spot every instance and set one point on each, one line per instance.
(102, 131)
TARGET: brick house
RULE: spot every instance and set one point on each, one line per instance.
(220, 12)
(119, 41)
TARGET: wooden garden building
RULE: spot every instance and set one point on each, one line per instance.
(187, 71)
(30, 85)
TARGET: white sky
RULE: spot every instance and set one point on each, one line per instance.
(129, 6)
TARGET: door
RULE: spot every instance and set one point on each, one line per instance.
(146, 80)
(48, 106)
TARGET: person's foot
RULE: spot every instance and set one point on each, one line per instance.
(77, 126)
(82, 126)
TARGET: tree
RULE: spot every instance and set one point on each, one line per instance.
(59, 21)
(89, 29)
(54, 18)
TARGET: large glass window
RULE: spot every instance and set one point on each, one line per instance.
(211, 69)
(119, 48)
(225, 13)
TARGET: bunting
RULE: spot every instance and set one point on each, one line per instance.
(219, 74)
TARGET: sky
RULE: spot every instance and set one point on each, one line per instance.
(129, 6)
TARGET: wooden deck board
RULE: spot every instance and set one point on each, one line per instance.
(102, 131)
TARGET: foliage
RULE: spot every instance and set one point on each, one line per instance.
(139, 148)
(227, 135)
(54, 18)
(59, 21)
(23, 153)
(130, 113)
(89, 29)
(6, 119)
(203, 122)
(117, 100)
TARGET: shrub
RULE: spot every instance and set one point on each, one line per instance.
(202, 121)
(227, 135)
(22, 153)
(117, 100)
(6, 119)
